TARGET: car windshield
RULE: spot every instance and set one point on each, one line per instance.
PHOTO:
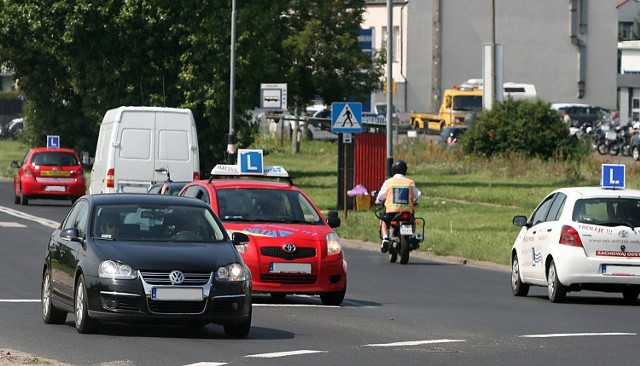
(54, 158)
(608, 211)
(266, 205)
(157, 222)
(467, 103)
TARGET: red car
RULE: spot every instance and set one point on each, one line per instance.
(292, 247)
(52, 173)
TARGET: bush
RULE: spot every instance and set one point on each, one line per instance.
(531, 129)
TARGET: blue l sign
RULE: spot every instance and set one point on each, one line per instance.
(250, 161)
(612, 176)
(53, 141)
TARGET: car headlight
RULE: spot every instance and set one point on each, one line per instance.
(333, 244)
(116, 270)
(230, 273)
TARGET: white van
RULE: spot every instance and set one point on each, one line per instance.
(140, 146)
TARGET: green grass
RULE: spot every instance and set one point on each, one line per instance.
(468, 203)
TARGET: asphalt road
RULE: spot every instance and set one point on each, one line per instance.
(431, 311)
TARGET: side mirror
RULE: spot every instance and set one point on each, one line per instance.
(333, 220)
(86, 159)
(239, 238)
(14, 164)
(70, 234)
(520, 221)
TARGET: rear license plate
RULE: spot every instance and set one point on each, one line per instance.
(615, 270)
(184, 294)
(289, 267)
(406, 230)
(54, 188)
(55, 173)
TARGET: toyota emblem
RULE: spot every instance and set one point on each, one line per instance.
(176, 277)
(623, 233)
(289, 248)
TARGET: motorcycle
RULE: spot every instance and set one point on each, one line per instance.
(617, 141)
(406, 232)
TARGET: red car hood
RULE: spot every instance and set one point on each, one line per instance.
(270, 232)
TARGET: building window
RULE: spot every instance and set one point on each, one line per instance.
(396, 42)
(635, 103)
(625, 31)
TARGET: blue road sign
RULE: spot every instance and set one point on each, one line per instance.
(250, 161)
(612, 176)
(53, 141)
(346, 117)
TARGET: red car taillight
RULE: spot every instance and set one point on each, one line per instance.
(569, 236)
(28, 172)
(110, 180)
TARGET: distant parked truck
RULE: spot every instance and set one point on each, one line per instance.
(462, 101)
(140, 146)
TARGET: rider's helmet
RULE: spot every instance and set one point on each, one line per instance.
(399, 167)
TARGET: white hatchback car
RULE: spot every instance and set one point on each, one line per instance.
(581, 238)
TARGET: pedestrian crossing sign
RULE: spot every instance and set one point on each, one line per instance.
(346, 117)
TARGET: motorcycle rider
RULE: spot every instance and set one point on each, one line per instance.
(398, 194)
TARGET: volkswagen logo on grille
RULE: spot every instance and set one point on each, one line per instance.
(289, 248)
(623, 233)
(176, 277)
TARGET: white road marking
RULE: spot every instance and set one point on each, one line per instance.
(19, 300)
(296, 305)
(11, 224)
(206, 364)
(413, 343)
(576, 335)
(284, 354)
(46, 222)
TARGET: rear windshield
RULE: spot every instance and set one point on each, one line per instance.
(54, 158)
(608, 211)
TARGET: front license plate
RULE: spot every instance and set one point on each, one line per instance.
(54, 188)
(406, 230)
(184, 294)
(289, 267)
(615, 270)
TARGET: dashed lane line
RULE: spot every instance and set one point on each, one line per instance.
(284, 354)
(46, 222)
(413, 343)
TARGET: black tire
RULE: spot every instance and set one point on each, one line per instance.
(393, 256)
(238, 330)
(84, 323)
(16, 200)
(24, 200)
(630, 295)
(517, 287)
(405, 248)
(557, 291)
(602, 148)
(50, 314)
(278, 295)
(333, 298)
(635, 153)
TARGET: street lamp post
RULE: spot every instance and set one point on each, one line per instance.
(231, 146)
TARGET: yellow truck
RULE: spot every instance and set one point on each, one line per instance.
(457, 103)
(462, 101)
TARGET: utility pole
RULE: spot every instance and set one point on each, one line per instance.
(436, 50)
(389, 86)
(493, 53)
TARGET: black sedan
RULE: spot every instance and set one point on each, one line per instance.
(145, 258)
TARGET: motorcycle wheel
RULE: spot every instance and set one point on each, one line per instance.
(635, 153)
(602, 149)
(405, 248)
(614, 151)
(626, 150)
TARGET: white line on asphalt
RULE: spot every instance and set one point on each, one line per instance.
(46, 222)
(575, 335)
(11, 224)
(206, 364)
(284, 354)
(413, 343)
(19, 300)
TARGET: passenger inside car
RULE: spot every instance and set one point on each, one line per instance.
(109, 225)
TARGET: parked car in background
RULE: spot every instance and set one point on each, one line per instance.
(581, 114)
(292, 248)
(449, 135)
(172, 188)
(50, 173)
(133, 258)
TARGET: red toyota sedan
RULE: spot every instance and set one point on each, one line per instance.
(51, 173)
(292, 247)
